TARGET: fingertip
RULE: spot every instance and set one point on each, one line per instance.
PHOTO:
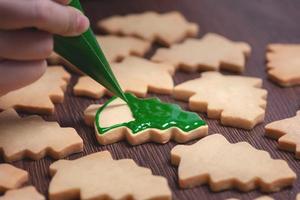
(83, 24)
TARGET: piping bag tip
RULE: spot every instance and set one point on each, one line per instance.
(84, 52)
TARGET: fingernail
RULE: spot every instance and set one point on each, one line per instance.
(83, 23)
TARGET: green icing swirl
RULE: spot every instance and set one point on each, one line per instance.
(152, 113)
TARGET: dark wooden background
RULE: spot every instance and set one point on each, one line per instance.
(257, 22)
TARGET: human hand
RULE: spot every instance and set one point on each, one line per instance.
(26, 29)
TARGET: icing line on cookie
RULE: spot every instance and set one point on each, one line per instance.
(152, 113)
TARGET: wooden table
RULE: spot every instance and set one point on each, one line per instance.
(256, 22)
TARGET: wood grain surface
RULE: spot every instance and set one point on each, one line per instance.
(257, 22)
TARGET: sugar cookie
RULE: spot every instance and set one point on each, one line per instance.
(212, 52)
(11, 177)
(98, 175)
(287, 132)
(25, 193)
(164, 28)
(32, 137)
(39, 96)
(222, 165)
(238, 101)
(136, 75)
(116, 114)
(284, 64)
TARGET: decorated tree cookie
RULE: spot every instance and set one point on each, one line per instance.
(212, 52)
(164, 28)
(284, 64)
(222, 165)
(149, 120)
(287, 131)
(11, 177)
(98, 176)
(25, 193)
(32, 137)
(39, 96)
(136, 75)
(236, 100)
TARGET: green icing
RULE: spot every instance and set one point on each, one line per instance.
(152, 113)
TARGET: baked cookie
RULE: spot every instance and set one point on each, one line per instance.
(99, 176)
(114, 121)
(136, 75)
(39, 96)
(32, 137)
(222, 165)
(238, 101)
(212, 52)
(115, 49)
(25, 193)
(287, 132)
(167, 28)
(283, 64)
(11, 177)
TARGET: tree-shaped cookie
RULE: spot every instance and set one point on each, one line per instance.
(136, 75)
(34, 138)
(212, 52)
(238, 101)
(114, 121)
(222, 165)
(283, 64)
(39, 96)
(98, 176)
(115, 49)
(287, 131)
(164, 28)
(25, 193)
(11, 177)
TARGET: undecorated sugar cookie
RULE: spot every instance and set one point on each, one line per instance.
(11, 177)
(114, 121)
(98, 176)
(164, 28)
(39, 96)
(25, 193)
(287, 132)
(32, 137)
(136, 75)
(222, 165)
(115, 48)
(212, 52)
(284, 64)
(236, 100)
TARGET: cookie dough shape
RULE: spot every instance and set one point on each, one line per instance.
(167, 28)
(212, 52)
(98, 176)
(11, 177)
(287, 132)
(238, 101)
(222, 165)
(118, 112)
(32, 137)
(115, 48)
(136, 75)
(39, 96)
(283, 64)
(25, 193)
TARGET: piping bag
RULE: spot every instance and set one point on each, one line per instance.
(84, 53)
